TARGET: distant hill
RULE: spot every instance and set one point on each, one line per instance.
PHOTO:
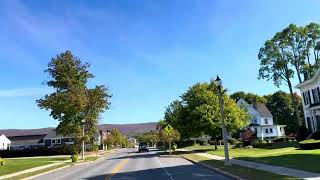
(127, 129)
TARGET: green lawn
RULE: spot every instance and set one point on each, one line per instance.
(20, 164)
(280, 155)
(243, 172)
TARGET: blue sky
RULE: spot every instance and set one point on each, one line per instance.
(146, 52)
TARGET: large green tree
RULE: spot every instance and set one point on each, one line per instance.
(292, 51)
(72, 100)
(198, 112)
(280, 105)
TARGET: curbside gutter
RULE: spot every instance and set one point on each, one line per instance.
(214, 169)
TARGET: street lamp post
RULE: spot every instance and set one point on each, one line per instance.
(218, 83)
(82, 153)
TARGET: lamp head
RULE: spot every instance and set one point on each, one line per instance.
(218, 82)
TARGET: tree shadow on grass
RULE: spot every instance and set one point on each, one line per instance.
(306, 162)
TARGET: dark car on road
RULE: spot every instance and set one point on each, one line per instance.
(143, 147)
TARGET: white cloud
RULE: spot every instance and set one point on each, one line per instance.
(23, 92)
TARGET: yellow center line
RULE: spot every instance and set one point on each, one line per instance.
(117, 168)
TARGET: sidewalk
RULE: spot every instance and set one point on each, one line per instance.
(265, 167)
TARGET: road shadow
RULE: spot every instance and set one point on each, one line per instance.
(182, 172)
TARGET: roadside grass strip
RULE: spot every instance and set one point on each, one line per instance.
(242, 172)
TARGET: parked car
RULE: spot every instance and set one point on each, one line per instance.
(143, 147)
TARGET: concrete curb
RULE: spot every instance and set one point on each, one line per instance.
(215, 169)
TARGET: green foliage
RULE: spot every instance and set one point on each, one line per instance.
(302, 133)
(232, 141)
(151, 138)
(316, 135)
(248, 97)
(72, 101)
(310, 144)
(74, 157)
(2, 162)
(198, 112)
(281, 107)
(174, 147)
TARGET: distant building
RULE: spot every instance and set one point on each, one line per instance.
(310, 91)
(4, 143)
(31, 141)
(261, 122)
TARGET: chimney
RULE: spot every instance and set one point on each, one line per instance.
(254, 102)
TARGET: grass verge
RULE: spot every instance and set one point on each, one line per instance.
(20, 164)
(22, 176)
(243, 172)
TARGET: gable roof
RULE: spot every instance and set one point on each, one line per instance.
(4, 139)
(263, 110)
(259, 108)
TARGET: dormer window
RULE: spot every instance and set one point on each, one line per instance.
(266, 121)
(267, 131)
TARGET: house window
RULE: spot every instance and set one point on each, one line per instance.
(254, 120)
(306, 97)
(53, 141)
(315, 95)
(271, 130)
(267, 130)
(255, 130)
(59, 141)
(266, 121)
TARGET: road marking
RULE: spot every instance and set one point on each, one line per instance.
(165, 169)
(117, 169)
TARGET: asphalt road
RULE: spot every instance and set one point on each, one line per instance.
(129, 165)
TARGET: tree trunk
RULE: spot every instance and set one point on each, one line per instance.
(215, 144)
(298, 73)
(295, 105)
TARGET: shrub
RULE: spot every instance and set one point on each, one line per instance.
(239, 144)
(174, 147)
(316, 135)
(2, 162)
(302, 133)
(310, 144)
(74, 157)
(261, 144)
(232, 141)
(280, 139)
(248, 147)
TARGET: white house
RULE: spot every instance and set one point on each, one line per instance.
(261, 121)
(311, 101)
(4, 143)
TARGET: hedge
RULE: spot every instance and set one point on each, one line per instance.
(40, 151)
(310, 144)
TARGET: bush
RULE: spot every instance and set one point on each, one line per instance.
(316, 135)
(2, 162)
(281, 139)
(39, 151)
(302, 133)
(248, 147)
(74, 157)
(310, 144)
(174, 147)
(261, 144)
(232, 141)
(239, 144)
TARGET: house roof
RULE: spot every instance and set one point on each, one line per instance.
(263, 110)
(53, 134)
(256, 108)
